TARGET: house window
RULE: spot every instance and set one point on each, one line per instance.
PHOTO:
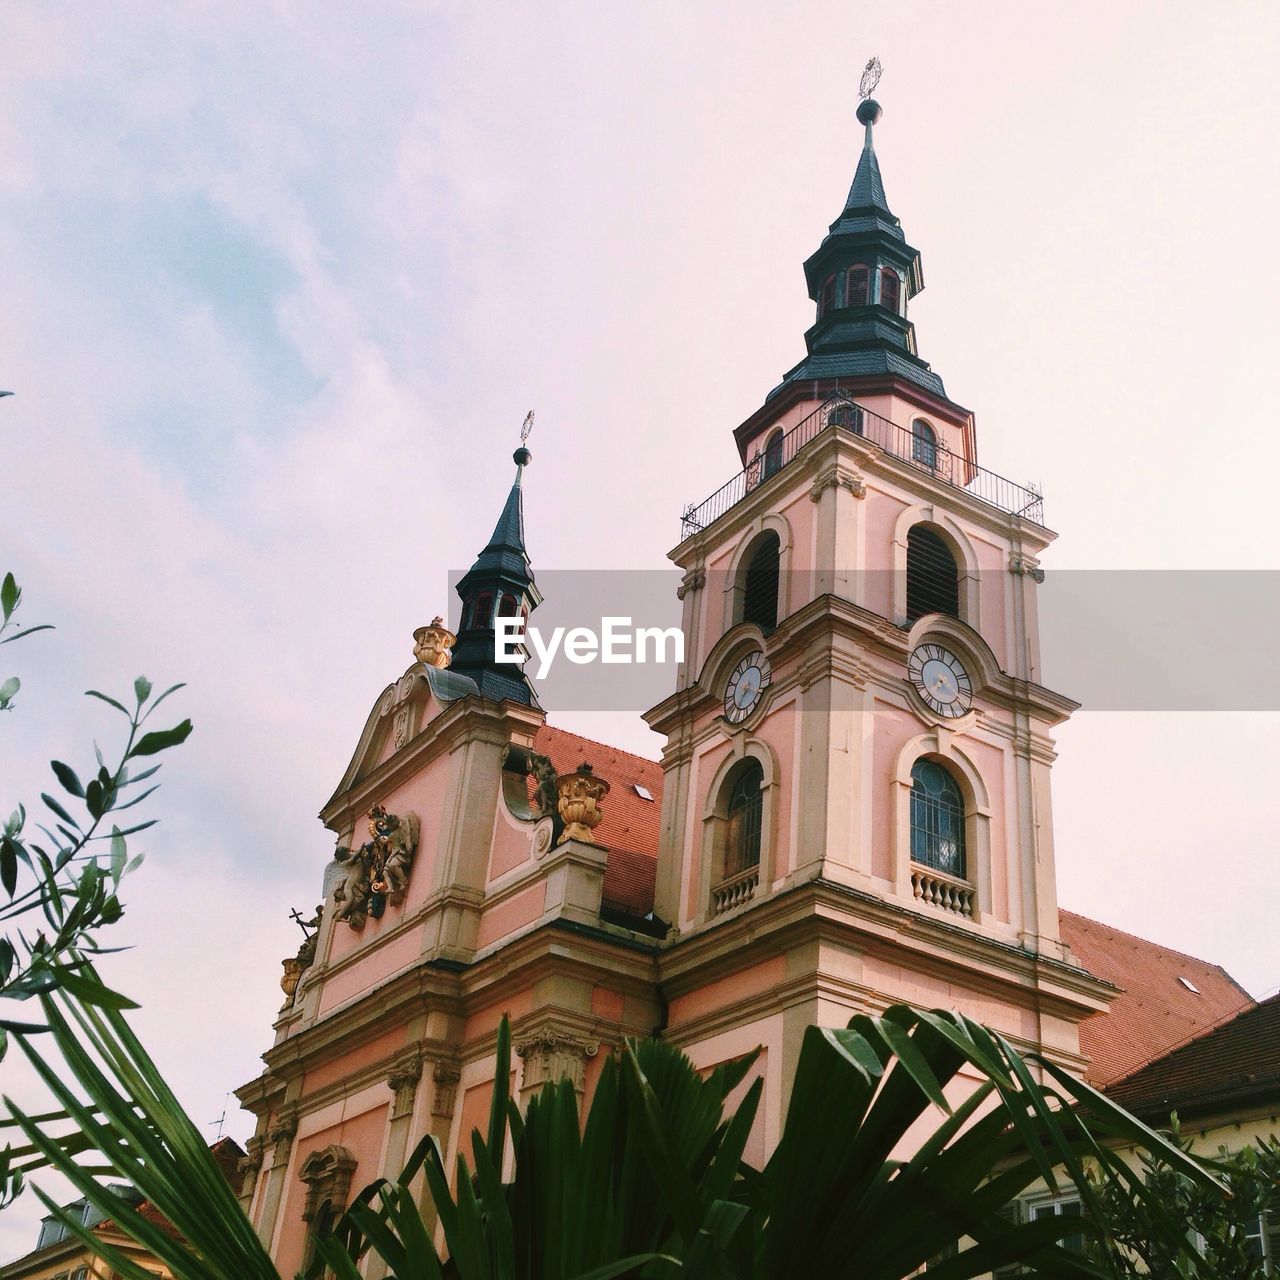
(1033, 1211)
(760, 584)
(933, 580)
(857, 286)
(937, 819)
(924, 444)
(773, 455)
(827, 298)
(889, 288)
(746, 803)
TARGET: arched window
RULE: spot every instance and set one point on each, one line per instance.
(508, 605)
(827, 298)
(937, 819)
(889, 288)
(933, 581)
(857, 286)
(482, 610)
(746, 805)
(846, 415)
(924, 444)
(760, 586)
(773, 454)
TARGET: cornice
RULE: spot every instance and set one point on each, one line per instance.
(842, 914)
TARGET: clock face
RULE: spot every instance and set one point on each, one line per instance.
(749, 680)
(940, 679)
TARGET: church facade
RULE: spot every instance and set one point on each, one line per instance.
(853, 807)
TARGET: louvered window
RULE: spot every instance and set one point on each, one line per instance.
(760, 589)
(827, 299)
(937, 819)
(746, 804)
(889, 289)
(933, 582)
(857, 286)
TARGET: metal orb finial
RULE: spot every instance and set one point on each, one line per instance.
(870, 78)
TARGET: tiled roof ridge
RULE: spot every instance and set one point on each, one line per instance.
(1148, 942)
(1200, 1033)
(596, 742)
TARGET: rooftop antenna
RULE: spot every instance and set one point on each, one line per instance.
(870, 78)
(221, 1120)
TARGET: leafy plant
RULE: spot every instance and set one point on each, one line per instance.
(1182, 1230)
(62, 882)
(653, 1183)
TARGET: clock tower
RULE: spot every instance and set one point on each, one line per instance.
(857, 768)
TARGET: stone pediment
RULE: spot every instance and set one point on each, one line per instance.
(399, 715)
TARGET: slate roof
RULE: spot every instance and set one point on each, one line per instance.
(1232, 1064)
(868, 186)
(1154, 1010)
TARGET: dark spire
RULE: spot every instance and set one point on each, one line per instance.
(499, 584)
(867, 191)
(861, 279)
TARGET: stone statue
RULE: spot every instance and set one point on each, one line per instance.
(377, 874)
(352, 893)
(393, 845)
(546, 795)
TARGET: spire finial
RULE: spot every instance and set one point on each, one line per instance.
(869, 109)
(522, 457)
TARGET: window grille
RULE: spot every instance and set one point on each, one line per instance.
(848, 416)
(937, 819)
(933, 581)
(924, 445)
(746, 805)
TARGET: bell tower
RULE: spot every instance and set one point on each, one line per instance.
(857, 795)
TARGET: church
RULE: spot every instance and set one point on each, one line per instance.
(852, 809)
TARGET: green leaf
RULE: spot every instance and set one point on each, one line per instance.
(142, 687)
(59, 810)
(161, 739)
(8, 689)
(91, 990)
(10, 594)
(102, 697)
(67, 776)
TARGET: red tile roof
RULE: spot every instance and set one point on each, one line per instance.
(1154, 1011)
(629, 828)
(1235, 1063)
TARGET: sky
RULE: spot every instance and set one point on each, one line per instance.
(281, 281)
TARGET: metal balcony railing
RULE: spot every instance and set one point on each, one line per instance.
(925, 452)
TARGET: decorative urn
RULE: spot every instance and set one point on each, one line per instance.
(432, 644)
(580, 794)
